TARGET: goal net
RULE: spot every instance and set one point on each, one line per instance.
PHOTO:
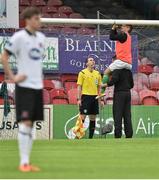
(82, 38)
(70, 41)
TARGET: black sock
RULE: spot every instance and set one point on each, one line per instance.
(91, 129)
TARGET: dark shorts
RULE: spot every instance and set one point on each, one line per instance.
(29, 104)
(89, 105)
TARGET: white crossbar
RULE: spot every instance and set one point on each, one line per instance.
(98, 21)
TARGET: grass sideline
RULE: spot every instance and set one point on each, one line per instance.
(98, 158)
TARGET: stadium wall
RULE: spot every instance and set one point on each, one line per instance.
(9, 127)
(145, 120)
(59, 119)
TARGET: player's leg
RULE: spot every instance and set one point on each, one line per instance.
(127, 117)
(38, 115)
(84, 108)
(24, 115)
(93, 111)
(118, 108)
(92, 125)
(25, 144)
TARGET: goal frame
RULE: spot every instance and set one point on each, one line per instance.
(98, 21)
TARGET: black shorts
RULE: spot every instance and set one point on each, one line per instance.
(29, 104)
(89, 105)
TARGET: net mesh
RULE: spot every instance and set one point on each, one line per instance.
(145, 91)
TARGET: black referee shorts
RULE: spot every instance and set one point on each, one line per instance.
(89, 105)
(29, 104)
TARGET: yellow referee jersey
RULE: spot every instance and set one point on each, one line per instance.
(90, 81)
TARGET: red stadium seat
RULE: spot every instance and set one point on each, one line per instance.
(135, 99)
(1, 77)
(58, 94)
(46, 96)
(46, 15)
(154, 81)
(1, 101)
(51, 29)
(76, 16)
(55, 3)
(66, 10)
(24, 3)
(70, 85)
(48, 84)
(57, 84)
(147, 69)
(148, 97)
(59, 101)
(109, 93)
(21, 23)
(59, 15)
(38, 3)
(141, 78)
(72, 96)
(138, 86)
(157, 94)
(68, 30)
(11, 101)
(156, 69)
(68, 77)
(49, 9)
(146, 61)
(84, 31)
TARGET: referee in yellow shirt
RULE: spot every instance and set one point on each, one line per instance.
(89, 82)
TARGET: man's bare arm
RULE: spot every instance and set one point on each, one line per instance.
(4, 59)
(79, 92)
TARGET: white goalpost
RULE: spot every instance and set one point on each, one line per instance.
(99, 21)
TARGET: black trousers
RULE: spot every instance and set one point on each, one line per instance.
(122, 110)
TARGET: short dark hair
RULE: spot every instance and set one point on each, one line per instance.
(130, 26)
(29, 12)
(86, 60)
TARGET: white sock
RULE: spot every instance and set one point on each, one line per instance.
(25, 143)
(33, 131)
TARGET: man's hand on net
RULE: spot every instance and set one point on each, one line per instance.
(115, 26)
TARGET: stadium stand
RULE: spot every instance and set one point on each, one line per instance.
(109, 96)
(64, 87)
(148, 97)
(72, 96)
(48, 84)
(135, 99)
(46, 96)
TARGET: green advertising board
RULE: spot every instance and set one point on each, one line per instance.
(145, 120)
(51, 58)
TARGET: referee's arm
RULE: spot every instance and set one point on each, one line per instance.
(79, 85)
(99, 83)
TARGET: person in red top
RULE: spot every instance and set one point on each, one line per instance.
(123, 57)
(123, 46)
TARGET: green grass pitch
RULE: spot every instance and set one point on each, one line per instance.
(99, 158)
